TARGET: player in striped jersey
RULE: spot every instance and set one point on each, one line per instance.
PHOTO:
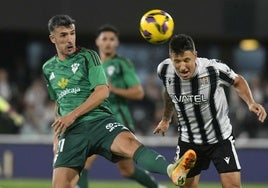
(194, 89)
(84, 124)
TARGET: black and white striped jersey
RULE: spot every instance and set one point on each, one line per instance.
(200, 102)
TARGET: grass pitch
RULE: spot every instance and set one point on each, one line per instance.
(23, 183)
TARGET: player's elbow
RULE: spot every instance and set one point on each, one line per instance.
(239, 80)
(102, 91)
(139, 94)
(106, 93)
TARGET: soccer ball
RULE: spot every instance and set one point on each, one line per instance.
(156, 26)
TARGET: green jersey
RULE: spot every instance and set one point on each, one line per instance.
(71, 82)
(121, 73)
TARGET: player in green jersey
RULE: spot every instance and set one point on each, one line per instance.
(84, 124)
(124, 85)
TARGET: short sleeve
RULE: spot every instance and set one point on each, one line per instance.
(226, 74)
(129, 73)
(96, 74)
(51, 92)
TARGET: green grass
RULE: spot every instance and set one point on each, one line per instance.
(103, 184)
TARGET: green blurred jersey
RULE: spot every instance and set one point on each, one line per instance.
(121, 73)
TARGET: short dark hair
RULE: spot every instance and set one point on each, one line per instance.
(180, 43)
(59, 20)
(107, 27)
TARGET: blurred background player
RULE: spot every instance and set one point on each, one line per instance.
(124, 85)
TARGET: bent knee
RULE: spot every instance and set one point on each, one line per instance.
(125, 144)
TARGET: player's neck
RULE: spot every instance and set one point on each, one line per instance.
(104, 57)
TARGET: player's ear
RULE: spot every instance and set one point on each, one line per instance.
(118, 42)
(195, 53)
(97, 41)
(52, 38)
(171, 54)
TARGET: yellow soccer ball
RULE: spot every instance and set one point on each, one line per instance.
(156, 26)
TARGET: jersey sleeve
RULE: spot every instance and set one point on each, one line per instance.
(96, 74)
(129, 74)
(51, 92)
(226, 74)
(161, 68)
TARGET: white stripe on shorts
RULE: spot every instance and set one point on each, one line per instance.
(234, 152)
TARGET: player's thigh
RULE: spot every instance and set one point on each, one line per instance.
(231, 179)
(103, 136)
(90, 161)
(125, 144)
(63, 177)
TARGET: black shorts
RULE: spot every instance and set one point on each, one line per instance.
(223, 155)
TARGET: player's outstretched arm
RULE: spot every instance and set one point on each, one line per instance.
(243, 90)
(133, 93)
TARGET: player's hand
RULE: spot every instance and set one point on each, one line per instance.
(62, 123)
(111, 87)
(162, 127)
(258, 110)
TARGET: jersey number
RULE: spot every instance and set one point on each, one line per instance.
(61, 145)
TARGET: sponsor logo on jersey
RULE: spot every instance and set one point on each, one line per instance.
(204, 81)
(75, 67)
(170, 81)
(63, 83)
(110, 70)
(227, 159)
(68, 91)
(112, 126)
(196, 99)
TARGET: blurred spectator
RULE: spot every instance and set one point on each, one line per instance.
(143, 114)
(10, 120)
(22, 78)
(35, 100)
(153, 88)
(48, 116)
(245, 123)
(5, 89)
